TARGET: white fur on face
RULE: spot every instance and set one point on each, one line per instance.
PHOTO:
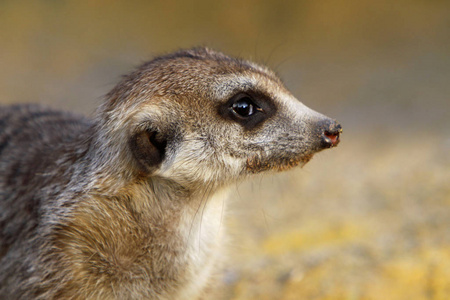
(230, 84)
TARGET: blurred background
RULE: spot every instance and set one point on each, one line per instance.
(367, 220)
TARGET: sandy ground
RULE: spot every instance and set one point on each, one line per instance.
(361, 221)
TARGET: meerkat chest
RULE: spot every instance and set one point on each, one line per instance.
(204, 234)
(179, 262)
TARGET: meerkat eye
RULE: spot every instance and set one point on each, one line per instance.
(244, 107)
(250, 109)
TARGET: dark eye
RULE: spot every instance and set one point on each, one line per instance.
(244, 107)
(249, 108)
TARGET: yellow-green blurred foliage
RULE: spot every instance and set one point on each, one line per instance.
(368, 220)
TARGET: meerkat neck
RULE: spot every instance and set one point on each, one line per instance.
(157, 199)
(151, 225)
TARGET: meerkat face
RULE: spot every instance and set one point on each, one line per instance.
(201, 116)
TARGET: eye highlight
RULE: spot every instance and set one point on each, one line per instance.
(249, 108)
(244, 107)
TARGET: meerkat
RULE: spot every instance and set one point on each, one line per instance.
(129, 204)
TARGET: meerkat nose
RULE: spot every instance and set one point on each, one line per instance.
(331, 133)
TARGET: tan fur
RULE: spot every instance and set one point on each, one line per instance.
(130, 205)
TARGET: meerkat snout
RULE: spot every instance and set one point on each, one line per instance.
(129, 204)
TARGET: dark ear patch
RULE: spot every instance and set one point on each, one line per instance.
(149, 148)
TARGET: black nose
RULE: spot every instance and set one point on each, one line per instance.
(331, 133)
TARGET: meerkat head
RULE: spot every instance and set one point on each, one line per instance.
(199, 116)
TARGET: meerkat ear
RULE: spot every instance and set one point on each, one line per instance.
(149, 148)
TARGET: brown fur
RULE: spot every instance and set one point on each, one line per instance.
(129, 205)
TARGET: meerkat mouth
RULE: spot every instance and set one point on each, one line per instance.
(257, 164)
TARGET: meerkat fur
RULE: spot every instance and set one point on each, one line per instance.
(129, 204)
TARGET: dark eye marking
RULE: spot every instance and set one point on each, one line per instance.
(245, 107)
(250, 109)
